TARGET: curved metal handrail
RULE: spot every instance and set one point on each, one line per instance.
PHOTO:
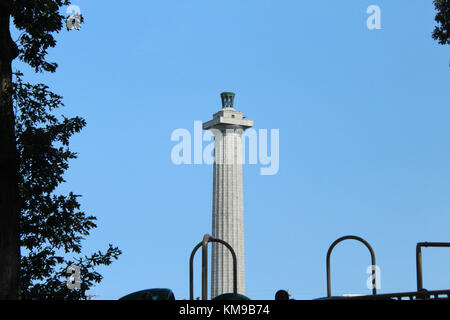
(372, 255)
(204, 244)
(191, 273)
(233, 254)
(419, 259)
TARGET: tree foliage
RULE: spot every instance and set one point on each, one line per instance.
(441, 31)
(37, 20)
(52, 226)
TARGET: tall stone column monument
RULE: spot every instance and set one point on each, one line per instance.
(227, 126)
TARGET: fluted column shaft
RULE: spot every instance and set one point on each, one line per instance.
(228, 211)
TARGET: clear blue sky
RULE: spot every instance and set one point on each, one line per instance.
(364, 138)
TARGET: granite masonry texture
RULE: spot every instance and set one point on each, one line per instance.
(228, 205)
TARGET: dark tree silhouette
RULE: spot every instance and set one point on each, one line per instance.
(34, 154)
(441, 31)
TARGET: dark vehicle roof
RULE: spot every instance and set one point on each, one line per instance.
(150, 294)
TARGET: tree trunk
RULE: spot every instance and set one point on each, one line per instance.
(9, 192)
